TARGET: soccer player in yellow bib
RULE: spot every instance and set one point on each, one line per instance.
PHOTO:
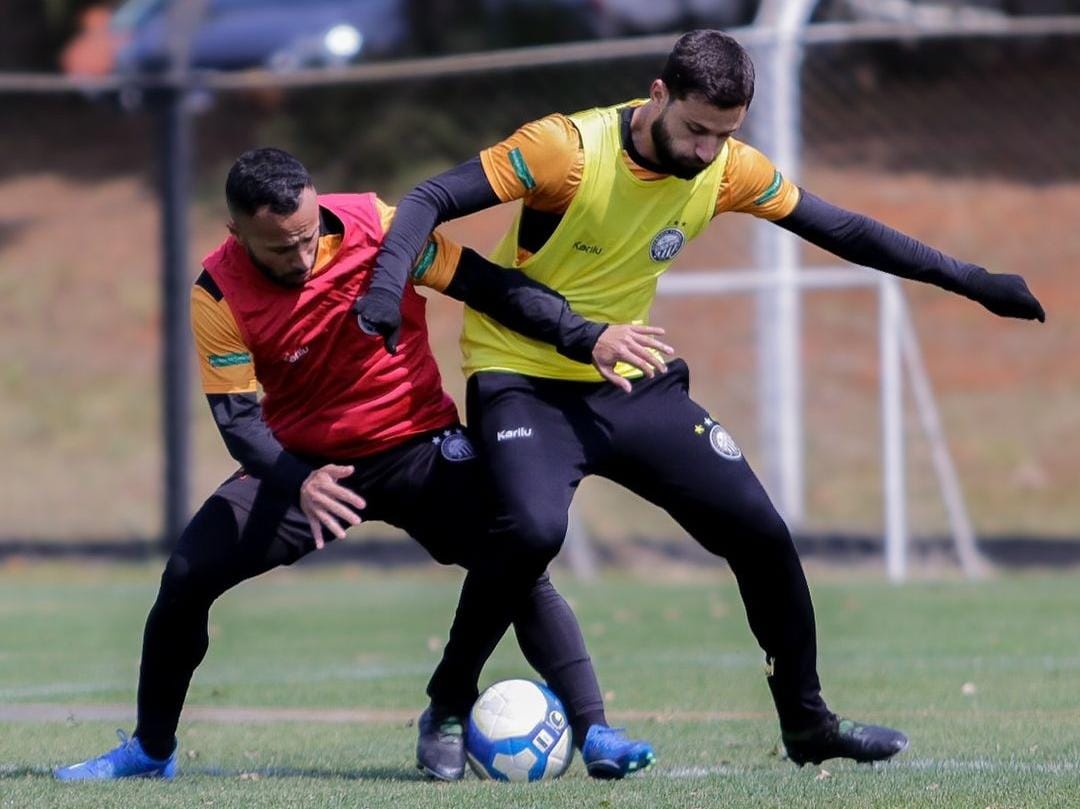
(609, 197)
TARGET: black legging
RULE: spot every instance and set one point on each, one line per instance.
(246, 529)
(540, 437)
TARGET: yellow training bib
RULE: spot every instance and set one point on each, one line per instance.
(616, 238)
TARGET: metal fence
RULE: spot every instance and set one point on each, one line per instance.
(965, 138)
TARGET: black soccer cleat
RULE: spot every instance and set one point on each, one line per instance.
(843, 738)
(440, 750)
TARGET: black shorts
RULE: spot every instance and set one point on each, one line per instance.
(432, 487)
(541, 437)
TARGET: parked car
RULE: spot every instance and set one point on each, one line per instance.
(457, 26)
(237, 34)
(629, 17)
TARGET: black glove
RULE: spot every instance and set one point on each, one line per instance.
(1003, 294)
(378, 312)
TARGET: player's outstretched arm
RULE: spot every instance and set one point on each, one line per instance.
(458, 192)
(862, 240)
(537, 311)
(522, 304)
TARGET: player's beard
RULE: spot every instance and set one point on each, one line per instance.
(665, 155)
(288, 281)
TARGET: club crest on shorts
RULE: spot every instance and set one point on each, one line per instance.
(667, 244)
(723, 444)
(456, 447)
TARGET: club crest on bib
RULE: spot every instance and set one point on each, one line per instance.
(723, 444)
(667, 244)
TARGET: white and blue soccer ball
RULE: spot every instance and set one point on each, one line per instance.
(518, 732)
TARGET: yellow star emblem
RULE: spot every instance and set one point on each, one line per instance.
(699, 429)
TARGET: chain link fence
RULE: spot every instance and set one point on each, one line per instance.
(967, 142)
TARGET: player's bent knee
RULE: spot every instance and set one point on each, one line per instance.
(759, 531)
(543, 538)
(184, 580)
(538, 535)
(772, 537)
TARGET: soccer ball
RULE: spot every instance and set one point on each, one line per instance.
(518, 732)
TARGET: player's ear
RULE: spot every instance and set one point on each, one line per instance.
(235, 231)
(658, 92)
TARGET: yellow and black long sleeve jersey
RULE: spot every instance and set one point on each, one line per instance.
(541, 164)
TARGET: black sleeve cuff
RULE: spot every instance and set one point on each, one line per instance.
(249, 440)
(289, 473)
(578, 341)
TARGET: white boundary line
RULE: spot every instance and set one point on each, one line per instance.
(225, 714)
(60, 712)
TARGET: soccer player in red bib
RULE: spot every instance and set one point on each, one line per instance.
(347, 431)
(608, 199)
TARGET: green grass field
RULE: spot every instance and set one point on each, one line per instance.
(331, 664)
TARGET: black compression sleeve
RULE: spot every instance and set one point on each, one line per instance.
(458, 192)
(248, 438)
(524, 305)
(862, 240)
(866, 241)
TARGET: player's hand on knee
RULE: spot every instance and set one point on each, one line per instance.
(328, 504)
(634, 345)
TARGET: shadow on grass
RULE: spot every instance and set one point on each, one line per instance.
(13, 772)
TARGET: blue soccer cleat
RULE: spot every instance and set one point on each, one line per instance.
(126, 761)
(609, 754)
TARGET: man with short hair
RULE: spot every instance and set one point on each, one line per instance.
(347, 431)
(609, 198)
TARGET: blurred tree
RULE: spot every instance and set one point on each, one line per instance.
(516, 23)
(34, 31)
(446, 26)
(460, 26)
